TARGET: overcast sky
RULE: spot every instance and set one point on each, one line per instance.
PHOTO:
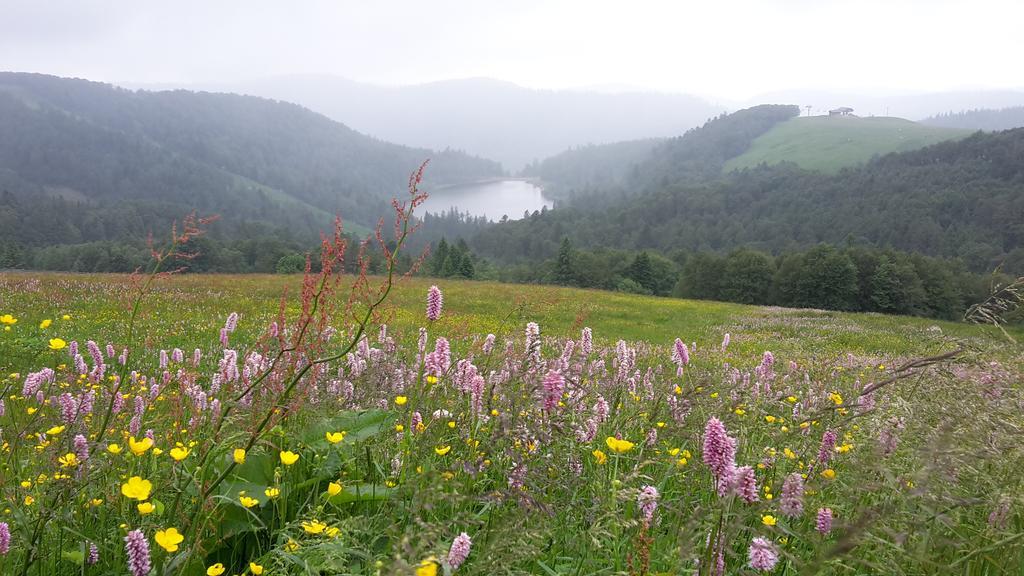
(719, 48)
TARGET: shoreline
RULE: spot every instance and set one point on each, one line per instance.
(537, 182)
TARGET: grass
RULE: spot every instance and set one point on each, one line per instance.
(924, 480)
(827, 143)
(97, 302)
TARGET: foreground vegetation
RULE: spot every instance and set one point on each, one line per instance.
(549, 448)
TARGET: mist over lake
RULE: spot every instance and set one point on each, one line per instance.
(493, 199)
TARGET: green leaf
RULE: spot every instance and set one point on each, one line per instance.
(257, 470)
(74, 556)
(356, 425)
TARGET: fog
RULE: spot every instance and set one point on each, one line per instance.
(722, 50)
(520, 81)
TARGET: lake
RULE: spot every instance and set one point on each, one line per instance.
(493, 199)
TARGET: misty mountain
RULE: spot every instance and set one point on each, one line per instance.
(982, 119)
(596, 166)
(768, 134)
(488, 118)
(117, 164)
(699, 155)
(912, 106)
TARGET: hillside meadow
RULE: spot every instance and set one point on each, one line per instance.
(185, 305)
(485, 428)
(829, 143)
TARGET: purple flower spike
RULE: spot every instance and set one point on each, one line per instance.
(435, 301)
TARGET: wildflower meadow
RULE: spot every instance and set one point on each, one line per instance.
(160, 425)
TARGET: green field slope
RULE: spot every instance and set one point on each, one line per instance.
(828, 143)
(95, 302)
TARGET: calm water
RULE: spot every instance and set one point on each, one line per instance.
(491, 199)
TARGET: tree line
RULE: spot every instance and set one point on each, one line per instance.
(853, 278)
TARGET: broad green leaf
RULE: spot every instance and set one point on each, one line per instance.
(356, 425)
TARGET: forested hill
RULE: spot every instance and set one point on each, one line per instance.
(981, 119)
(593, 167)
(82, 161)
(828, 143)
(960, 198)
(699, 155)
(767, 134)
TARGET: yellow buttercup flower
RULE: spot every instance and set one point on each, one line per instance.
(334, 437)
(113, 449)
(139, 447)
(179, 453)
(169, 539)
(768, 520)
(255, 568)
(442, 450)
(313, 526)
(272, 492)
(288, 458)
(239, 455)
(617, 445)
(334, 488)
(401, 400)
(8, 319)
(215, 570)
(69, 460)
(137, 489)
(828, 474)
(291, 545)
(146, 508)
(45, 324)
(55, 430)
(427, 567)
(57, 344)
(600, 457)
(29, 500)
(247, 501)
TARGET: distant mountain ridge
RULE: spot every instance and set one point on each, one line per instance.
(490, 118)
(767, 133)
(912, 106)
(698, 155)
(980, 119)
(119, 164)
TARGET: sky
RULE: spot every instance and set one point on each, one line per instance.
(720, 49)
